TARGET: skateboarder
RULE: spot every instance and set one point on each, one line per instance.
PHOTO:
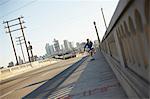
(90, 49)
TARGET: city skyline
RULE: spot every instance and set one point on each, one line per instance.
(65, 47)
(45, 20)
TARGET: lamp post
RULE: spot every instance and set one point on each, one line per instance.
(104, 18)
(97, 33)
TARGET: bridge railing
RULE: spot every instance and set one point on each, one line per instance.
(126, 46)
(19, 69)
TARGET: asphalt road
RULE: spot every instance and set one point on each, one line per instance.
(21, 85)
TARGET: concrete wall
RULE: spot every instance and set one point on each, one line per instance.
(126, 46)
(19, 69)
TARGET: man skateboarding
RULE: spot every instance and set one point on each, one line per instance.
(90, 49)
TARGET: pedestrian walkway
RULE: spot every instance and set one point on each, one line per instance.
(91, 80)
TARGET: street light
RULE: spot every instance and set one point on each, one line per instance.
(104, 18)
(97, 33)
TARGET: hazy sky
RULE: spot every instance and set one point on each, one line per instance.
(49, 19)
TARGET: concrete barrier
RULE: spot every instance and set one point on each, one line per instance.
(34, 64)
(23, 66)
(5, 71)
(15, 68)
(19, 69)
(134, 86)
(126, 46)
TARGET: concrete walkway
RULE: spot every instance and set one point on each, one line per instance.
(92, 80)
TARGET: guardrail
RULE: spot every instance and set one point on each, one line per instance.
(16, 70)
(126, 46)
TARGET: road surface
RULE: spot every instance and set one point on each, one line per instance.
(91, 79)
(19, 86)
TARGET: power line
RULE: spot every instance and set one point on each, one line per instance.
(27, 4)
(9, 31)
(4, 2)
(19, 41)
(20, 23)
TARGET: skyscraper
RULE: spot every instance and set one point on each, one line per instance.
(71, 45)
(51, 49)
(78, 46)
(66, 45)
(56, 46)
(47, 48)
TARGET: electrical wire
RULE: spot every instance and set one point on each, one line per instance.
(27, 4)
(4, 2)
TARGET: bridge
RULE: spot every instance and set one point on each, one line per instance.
(121, 69)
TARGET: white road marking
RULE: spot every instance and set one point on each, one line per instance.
(7, 94)
(45, 74)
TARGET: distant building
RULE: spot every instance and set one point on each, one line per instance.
(71, 45)
(78, 46)
(52, 51)
(66, 45)
(62, 47)
(47, 48)
(35, 57)
(56, 46)
(20, 60)
(82, 46)
(10, 64)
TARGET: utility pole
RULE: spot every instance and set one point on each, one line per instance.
(30, 48)
(21, 22)
(97, 33)
(21, 27)
(20, 43)
(9, 31)
(104, 18)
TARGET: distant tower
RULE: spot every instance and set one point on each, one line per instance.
(78, 46)
(71, 45)
(56, 46)
(66, 45)
(51, 47)
(20, 60)
(62, 47)
(47, 48)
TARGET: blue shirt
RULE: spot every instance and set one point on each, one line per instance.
(88, 45)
